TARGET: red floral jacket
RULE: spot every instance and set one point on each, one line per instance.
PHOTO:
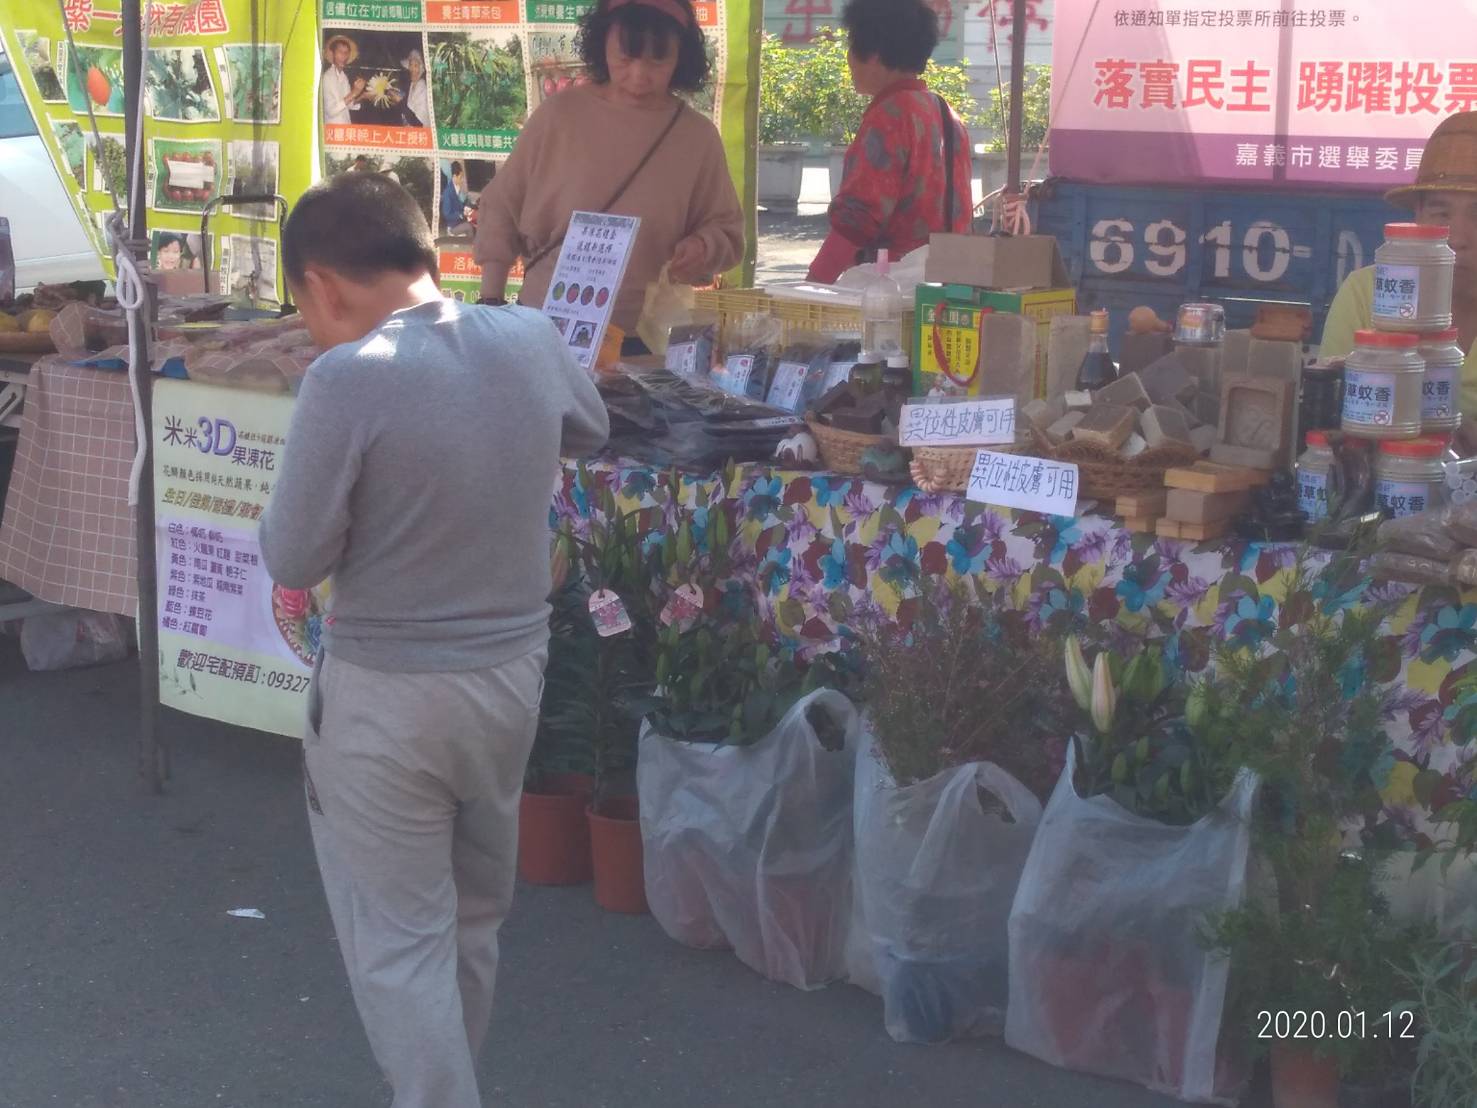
(892, 192)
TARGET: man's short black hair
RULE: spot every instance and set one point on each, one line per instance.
(457, 167)
(901, 33)
(360, 225)
(645, 31)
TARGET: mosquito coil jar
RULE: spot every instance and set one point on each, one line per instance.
(1413, 272)
(1316, 476)
(1441, 394)
(1410, 477)
(1384, 378)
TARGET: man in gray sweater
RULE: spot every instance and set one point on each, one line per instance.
(419, 468)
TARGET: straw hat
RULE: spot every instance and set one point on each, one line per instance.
(334, 41)
(1449, 163)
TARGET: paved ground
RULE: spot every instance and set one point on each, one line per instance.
(124, 984)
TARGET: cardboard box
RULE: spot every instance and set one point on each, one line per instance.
(1012, 262)
(958, 309)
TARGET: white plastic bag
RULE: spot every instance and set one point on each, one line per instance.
(69, 640)
(937, 873)
(668, 304)
(1107, 972)
(751, 847)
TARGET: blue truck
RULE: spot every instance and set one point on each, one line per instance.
(1125, 246)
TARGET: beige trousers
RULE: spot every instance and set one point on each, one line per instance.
(413, 783)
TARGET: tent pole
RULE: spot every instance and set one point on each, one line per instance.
(1017, 95)
(153, 756)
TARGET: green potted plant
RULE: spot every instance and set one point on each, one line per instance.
(1443, 982)
(1145, 835)
(964, 736)
(1035, 127)
(782, 128)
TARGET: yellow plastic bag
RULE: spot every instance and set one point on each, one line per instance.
(667, 305)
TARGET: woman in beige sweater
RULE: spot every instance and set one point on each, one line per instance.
(579, 147)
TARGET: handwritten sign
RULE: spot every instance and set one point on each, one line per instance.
(981, 421)
(1018, 481)
(587, 280)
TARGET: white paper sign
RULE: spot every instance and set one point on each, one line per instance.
(1019, 481)
(682, 359)
(981, 421)
(838, 374)
(587, 280)
(733, 378)
(788, 386)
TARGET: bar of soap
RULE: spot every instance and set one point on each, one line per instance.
(1135, 446)
(1061, 430)
(1203, 438)
(1167, 379)
(1108, 424)
(1041, 414)
(1128, 391)
(1079, 398)
(1163, 426)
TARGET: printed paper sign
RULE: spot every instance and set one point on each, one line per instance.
(592, 264)
(1018, 481)
(987, 421)
(788, 387)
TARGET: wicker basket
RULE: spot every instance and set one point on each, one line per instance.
(947, 468)
(841, 451)
(1106, 475)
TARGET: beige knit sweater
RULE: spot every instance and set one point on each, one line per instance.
(573, 153)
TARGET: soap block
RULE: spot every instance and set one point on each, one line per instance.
(1209, 477)
(1108, 424)
(1041, 414)
(1203, 438)
(1189, 416)
(1168, 380)
(1078, 398)
(1235, 352)
(1204, 507)
(1207, 407)
(1066, 346)
(1254, 417)
(1127, 391)
(1243, 457)
(1138, 351)
(1060, 431)
(1135, 446)
(1162, 426)
(1151, 504)
(1280, 360)
(1204, 364)
(1007, 356)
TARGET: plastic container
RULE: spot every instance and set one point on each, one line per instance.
(1318, 477)
(1383, 379)
(1441, 394)
(882, 312)
(1413, 272)
(1410, 477)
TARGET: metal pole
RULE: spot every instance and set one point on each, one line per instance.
(153, 763)
(1017, 95)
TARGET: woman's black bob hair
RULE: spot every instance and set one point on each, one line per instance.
(644, 32)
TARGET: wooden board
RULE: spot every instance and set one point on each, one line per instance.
(1188, 506)
(19, 342)
(1210, 477)
(1141, 525)
(1192, 532)
(1141, 503)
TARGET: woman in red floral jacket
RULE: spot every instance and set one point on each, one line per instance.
(895, 190)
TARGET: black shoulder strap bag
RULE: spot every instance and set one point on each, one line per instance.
(948, 121)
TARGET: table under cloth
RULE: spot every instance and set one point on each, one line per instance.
(824, 551)
(67, 534)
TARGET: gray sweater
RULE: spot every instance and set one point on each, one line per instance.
(419, 472)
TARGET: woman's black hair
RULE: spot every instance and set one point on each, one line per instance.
(901, 33)
(645, 31)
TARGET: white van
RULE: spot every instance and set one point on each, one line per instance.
(47, 238)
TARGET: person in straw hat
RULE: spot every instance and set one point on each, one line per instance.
(340, 97)
(1444, 194)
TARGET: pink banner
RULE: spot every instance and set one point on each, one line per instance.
(1340, 94)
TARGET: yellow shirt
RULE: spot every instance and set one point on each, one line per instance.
(1352, 310)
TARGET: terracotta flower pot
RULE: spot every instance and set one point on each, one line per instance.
(615, 845)
(1300, 1079)
(553, 834)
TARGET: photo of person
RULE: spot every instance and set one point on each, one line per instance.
(171, 251)
(376, 78)
(462, 182)
(416, 175)
(584, 335)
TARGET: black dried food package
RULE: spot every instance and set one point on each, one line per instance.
(690, 349)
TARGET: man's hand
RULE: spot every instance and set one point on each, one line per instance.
(689, 263)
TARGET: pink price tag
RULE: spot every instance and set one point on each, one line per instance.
(609, 613)
(684, 606)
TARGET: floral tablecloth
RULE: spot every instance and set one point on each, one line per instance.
(824, 551)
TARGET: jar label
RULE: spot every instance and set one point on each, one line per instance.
(1313, 495)
(733, 378)
(1369, 398)
(1397, 291)
(1402, 498)
(1439, 392)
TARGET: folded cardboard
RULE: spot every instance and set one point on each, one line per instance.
(1014, 262)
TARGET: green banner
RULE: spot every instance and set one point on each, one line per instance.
(215, 123)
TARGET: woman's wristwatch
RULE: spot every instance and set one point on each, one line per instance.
(493, 301)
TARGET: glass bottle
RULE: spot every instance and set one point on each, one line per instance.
(1098, 368)
(882, 312)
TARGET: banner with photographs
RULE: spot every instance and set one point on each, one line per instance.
(434, 93)
(213, 97)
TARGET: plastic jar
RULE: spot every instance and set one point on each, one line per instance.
(1413, 271)
(1383, 378)
(1317, 472)
(1410, 477)
(1441, 395)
